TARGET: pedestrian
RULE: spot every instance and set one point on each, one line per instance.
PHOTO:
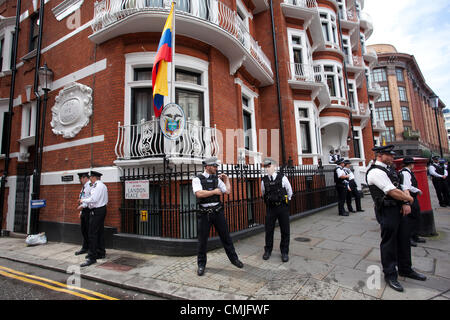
(408, 182)
(97, 203)
(392, 205)
(208, 187)
(277, 192)
(352, 189)
(85, 212)
(341, 180)
(438, 177)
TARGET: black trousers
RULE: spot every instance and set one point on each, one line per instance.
(84, 224)
(96, 233)
(414, 218)
(204, 223)
(395, 244)
(441, 187)
(342, 197)
(355, 193)
(280, 213)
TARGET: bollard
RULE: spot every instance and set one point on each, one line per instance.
(426, 220)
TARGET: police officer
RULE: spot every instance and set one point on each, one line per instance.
(352, 189)
(97, 203)
(208, 187)
(85, 212)
(277, 193)
(332, 158)
(341, 180)
(438, 177)
(392, 205)
(408, 182)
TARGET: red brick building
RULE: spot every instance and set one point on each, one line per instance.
(230, 85)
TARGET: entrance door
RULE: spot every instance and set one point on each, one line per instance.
(24, 172)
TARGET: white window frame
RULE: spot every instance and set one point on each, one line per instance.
(314, 131)
(342, 6)
(331, 21)
(337, 75)
(360, 142)
(6, 33)
(355, 94)
(185, 62)
(304, 46)
(3, 109)
(243, 9)
(250, 96)
(362, 38)
(28, 128)
(349, 46)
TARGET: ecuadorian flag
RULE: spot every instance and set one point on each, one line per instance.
(159, 72)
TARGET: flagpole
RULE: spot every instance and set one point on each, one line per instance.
(172, 85)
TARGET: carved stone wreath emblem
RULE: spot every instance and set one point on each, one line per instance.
(72, 109)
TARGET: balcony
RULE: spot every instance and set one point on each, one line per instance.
(378, 126)
(306, 10)
(366, 24)
(370, 55)
(144, 143)
(362, 112)
(355, 65)
(211, 22)
(374, 90)
(411, 135)
(349, 20)
(309, 77)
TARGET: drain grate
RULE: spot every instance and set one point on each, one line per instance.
(301, 239)
(128, 261)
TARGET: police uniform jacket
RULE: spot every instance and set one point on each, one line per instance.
(284, 182)
(99, 196)
(409, 182)
(85, 193)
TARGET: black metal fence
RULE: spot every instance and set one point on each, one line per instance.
(171, 210)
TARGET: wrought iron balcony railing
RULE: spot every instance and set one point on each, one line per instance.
(312, 4)
(108, 12)
(145, 140)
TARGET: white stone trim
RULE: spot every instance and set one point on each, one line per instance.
(80, 74)
(109, 175)
(66, 8)
(314, 132)
(67, 36)
(10, 214)
(75, 143)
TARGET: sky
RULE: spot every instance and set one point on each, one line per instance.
(420, 28)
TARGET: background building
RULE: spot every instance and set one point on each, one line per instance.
(294, 91)
(446, 113)
(407, 105)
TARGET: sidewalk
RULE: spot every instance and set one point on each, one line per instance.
(332, 265)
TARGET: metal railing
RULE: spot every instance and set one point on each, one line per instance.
(107, 12)
(171, 210)
(358, 61)
(352, 15)
(145, 140)
(364, 109)
(303, 3)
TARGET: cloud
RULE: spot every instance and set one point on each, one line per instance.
(419, 28)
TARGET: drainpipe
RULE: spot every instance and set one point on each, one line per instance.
(34, 218)
(346, 78)
(280, 113)
(10, 112)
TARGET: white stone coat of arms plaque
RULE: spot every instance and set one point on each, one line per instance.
(72, 109)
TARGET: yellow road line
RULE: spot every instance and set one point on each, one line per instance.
(12, 271)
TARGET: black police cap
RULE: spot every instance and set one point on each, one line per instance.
(408, 160)
(83, 174)
(385, 149)
(339, 161)
(347, 162)
(96, 174)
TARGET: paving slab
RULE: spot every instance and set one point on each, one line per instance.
(347, 260)
(317, 290)
(443, 268)
(345, 247)
(411, 291)
(346, 294)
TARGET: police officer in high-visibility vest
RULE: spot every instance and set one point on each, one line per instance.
(352, 189)
(341, 180)
(85, 212)
(408, 182)
(438, 177)
(277, 192)
(208, 187)
(392, 205)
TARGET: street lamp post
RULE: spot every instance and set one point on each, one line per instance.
(45, 82)
(435, 106)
